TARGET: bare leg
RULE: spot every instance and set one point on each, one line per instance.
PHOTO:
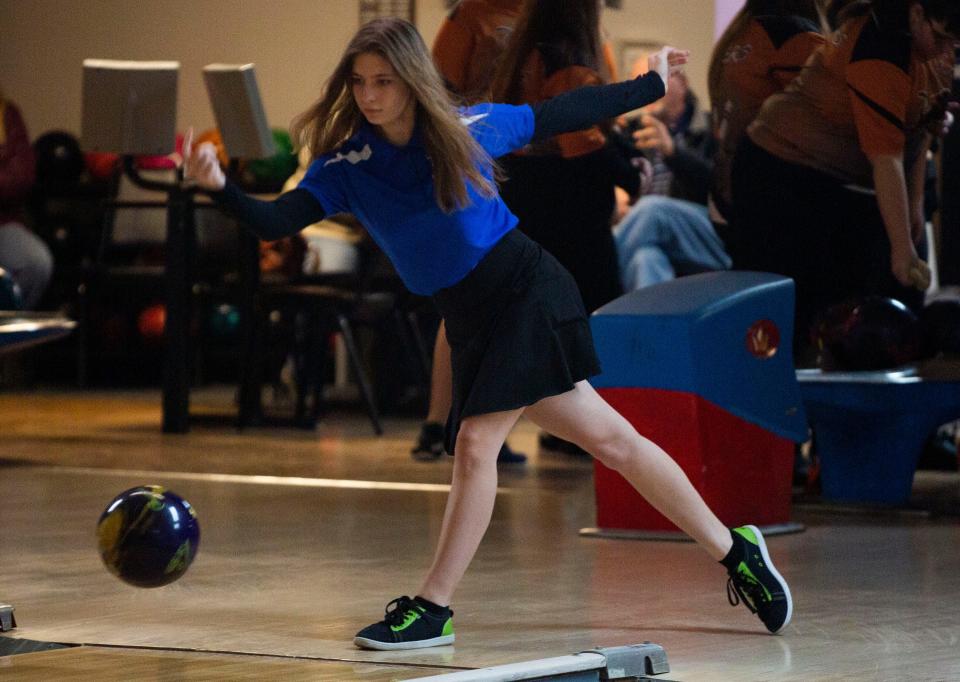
(441, 379)
(470, 503)
(583, 417)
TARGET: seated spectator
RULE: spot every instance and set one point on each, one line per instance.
(761, 51)
(22, 254)
(667, 233)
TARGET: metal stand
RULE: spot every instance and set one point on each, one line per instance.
(635, 663)
(7, 621)
(179, 249)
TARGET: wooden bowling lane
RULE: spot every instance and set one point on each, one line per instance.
(120, 429)
(100, 664)
(290, 568)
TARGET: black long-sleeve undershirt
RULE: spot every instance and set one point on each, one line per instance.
(572, 110)
(584, 107)
(286, 215)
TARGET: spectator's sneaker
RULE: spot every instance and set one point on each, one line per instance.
(430, 443)
(755, 581)
(410, 624)
(508, 456)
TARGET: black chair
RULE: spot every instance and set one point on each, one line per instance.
(316, 306)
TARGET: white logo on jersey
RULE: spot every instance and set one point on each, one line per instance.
(353, 157)
(470, 120)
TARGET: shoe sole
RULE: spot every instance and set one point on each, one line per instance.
(365, 643)
(426, 457)
(762, 544)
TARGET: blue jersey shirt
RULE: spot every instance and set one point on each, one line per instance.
(390, 191)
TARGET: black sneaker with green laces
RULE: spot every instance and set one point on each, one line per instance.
(410, 624)
(754, 579)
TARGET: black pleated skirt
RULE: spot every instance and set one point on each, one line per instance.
(518, 332)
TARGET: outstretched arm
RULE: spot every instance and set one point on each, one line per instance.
(269, 220)
(584, 107)
(286, 215)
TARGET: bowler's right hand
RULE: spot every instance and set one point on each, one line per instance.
(667, 60)
(200, 165)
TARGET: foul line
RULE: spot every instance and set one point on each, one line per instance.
(254, 654)
(257, 479)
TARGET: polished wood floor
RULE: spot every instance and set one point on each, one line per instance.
(306, 535)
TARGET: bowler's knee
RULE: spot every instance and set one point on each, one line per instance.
(613, 448)
(476, 446)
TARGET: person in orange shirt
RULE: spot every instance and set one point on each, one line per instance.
(828, 182)
(468, 47)
(761, 52)
(469, 43)
(465, 51)
(563, 189)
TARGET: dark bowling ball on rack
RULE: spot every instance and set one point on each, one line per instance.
(224, 320)
(940, 327)
(10, 295)
(151, 321)
(148, 536)
(59, 161)
(102, 165)
(870, 333)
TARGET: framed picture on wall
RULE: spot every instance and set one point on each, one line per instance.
(375, 9)
(629, 52)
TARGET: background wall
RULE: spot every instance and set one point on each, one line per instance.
(294, 43)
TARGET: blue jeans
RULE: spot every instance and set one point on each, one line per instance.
(28, 260)
(661, 238)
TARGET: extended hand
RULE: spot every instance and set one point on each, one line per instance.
(201, 166)
(910, 270)
(920, 275)
(667, 60)
(654, 135)
(949, 117)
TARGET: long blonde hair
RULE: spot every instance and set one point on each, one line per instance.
(457, 158)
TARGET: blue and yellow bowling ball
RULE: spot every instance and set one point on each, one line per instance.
(148, 536)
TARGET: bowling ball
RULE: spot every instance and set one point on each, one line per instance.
(870, 333)
(269, 174)
(151, 321)
(60, 162)
(10, 295)
(159, 162)
(213, 137)
(102, 165)
(148, 536)
(224, 320)
(940, 327)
